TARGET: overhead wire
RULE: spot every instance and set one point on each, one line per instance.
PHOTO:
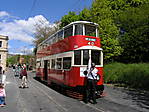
(33, 5)
(74, 7)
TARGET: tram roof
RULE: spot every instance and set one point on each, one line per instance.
(82, 22)
(89, 47)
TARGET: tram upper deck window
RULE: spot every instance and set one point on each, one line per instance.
(90, 30)
(96, 56)
(60, 35)
(68, 31)
(77, 57)
(78, 29)
(66, 62)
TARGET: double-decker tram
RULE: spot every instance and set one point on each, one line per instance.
(63, 57)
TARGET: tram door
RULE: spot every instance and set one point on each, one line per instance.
(45, 69)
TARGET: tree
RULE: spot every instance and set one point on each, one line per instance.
(134, 39)
(66, 19)
(13, 60)
(108, 31)
(42, 31)
(85, 15)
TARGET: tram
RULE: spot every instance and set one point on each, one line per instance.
(63, 57)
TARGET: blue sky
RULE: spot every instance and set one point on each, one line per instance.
(17, 18)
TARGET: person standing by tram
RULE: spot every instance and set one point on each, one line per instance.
(91, 75)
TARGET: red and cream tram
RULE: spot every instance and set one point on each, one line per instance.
(63, 57)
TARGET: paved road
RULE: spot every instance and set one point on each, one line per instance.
(40, 98)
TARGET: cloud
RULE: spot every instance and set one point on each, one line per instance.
(22, 30)
(21, 50)
(3, 13)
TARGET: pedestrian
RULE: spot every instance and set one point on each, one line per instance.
(2, 95)
(13, 67)
(3, 79)
(1, 69)
(23, 78)
(91, 84)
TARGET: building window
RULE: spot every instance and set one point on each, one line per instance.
(0, 43)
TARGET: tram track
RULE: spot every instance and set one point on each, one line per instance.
(62, 107)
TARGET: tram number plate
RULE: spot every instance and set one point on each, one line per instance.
(91, 43)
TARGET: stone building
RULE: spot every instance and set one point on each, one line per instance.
(3, 51)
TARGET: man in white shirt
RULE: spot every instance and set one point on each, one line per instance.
(91, 84)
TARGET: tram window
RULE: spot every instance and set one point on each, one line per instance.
(96, 55)
(85, 57)
(53, 64)
(77, 57)
(54, 38)
(90, 30)
(68, 31)
(59, 63)
(78, 29)
(60, 35)
(66, 62)
(48, 63)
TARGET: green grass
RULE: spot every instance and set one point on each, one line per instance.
(131, 75)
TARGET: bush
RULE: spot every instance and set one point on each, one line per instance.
(132, 75)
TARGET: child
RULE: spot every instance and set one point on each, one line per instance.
(2, 95)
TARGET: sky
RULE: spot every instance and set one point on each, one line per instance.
(18, 19)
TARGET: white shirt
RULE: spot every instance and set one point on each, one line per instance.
(92, 74)
(4, 79)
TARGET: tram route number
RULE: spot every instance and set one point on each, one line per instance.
(90, 43)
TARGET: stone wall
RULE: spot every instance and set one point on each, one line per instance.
(3, 51)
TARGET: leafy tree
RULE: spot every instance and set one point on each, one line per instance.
(108, 31)
(66, 19)
(85, 15)
(13, 60)
(134, 39)
(124, 21)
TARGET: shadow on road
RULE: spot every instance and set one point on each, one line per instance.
(140, 97)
